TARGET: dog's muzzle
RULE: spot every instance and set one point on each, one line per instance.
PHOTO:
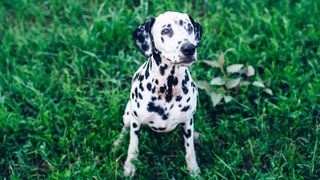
(188, 50)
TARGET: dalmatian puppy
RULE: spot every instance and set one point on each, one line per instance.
(163, 94)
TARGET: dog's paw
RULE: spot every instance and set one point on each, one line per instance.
(194, 169)
(129, 169)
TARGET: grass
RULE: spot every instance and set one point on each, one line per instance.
(65, 79)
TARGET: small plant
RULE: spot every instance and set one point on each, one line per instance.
(232, 78)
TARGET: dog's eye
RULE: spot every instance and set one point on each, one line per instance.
(190, 28)
(165, 31)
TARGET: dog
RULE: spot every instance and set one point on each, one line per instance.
(163, 94)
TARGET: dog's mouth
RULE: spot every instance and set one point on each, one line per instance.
(186, 60)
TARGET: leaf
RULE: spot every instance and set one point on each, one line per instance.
(250, 71)
(244, 83)
(216, 98)
(203, 85)
(227, 98)
(233, 83)
(229, 50)
(258, 84)
(221, 59)
(217, 81)
(268, 91)
(234, 68)
(212, 63)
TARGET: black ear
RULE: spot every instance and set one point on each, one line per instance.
(197, 30)
(143, 38)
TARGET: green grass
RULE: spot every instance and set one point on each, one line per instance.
(65, 79)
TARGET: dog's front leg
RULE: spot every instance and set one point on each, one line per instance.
(129, 167)
(189, 145)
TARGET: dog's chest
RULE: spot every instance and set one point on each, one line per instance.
(164, 101)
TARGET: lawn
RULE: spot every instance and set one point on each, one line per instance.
(66, 68)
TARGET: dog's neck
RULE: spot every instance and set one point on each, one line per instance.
(171, 79)
(163, 68)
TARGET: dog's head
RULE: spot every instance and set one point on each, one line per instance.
(174, 35)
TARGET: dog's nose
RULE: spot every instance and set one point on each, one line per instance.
(188, 49)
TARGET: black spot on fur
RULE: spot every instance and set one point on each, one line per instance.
(141, 77)
(136, 76)
(163, 69)
(157, 109)
(162, 39)
(185, 90)
(163, 89)
(154, 89)
(149, 86)
(140, 38)
(186, 76)
(184, 83)
(156, 56)
(188, 133)
(180, 22)
(141, 87)
(165, 117)
(151, 122)
(140, 96)
(147, 72)
(134, 125)
(137, 132)
(191, 120)
(153, 98)
(136, 92)
(135, 113)
(185, 108)
(145, 46)
(171, 81)
(138, 104)
(188, 99)
(178, 98)
(171, 106)
(187, 144)
(157, 82)
(132, 95)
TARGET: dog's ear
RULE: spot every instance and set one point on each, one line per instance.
(197, 30)
(143, 38)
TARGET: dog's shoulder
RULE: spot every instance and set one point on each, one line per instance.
(140, 74)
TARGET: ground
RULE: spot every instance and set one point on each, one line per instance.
(66, 69)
